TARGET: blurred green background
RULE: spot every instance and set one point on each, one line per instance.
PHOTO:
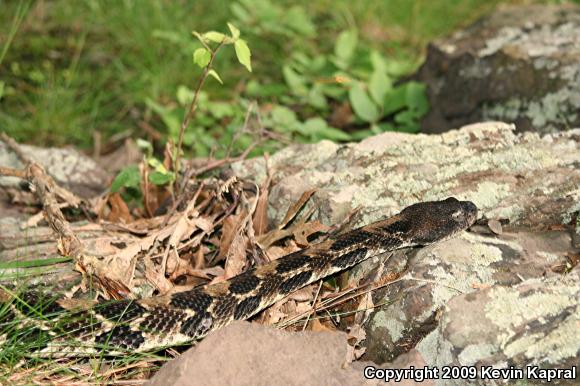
(321, 68)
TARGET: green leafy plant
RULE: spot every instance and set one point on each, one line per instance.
(315, 83)
(298, 91)
(178, 120)
(204, 58)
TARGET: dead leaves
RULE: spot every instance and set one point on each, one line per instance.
(260, 218)
(237, 240)
(221, 232)
(119, 210)
(300, 230)
(212, 231)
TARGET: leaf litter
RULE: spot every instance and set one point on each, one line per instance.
(213, 229)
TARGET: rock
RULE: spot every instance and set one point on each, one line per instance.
(528, 179)
(250, 354)
(70, 169)
(526, 184)
(533, 323)
(439, 274)
(521, 65)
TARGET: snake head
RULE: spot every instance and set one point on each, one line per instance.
(432, 221)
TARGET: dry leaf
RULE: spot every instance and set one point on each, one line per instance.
(316, 325)
(236, 257)
(236, 242)
(495, 226)
(199, 258)
(295, 208)
(206, 273)
(260, 218)
(168, 155)
(364, 308)
(341, 116)
(303, 295)
(356, 335)
(119, 210)
(303, 231)
(230, 226)
(275, 252)
(273, 314)
(480, 286)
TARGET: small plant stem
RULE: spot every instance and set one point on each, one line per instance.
(192, 108)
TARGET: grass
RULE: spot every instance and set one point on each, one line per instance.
(73, 68)
(20, 363)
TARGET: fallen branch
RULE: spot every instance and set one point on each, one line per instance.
(44, 188)
(9, 172)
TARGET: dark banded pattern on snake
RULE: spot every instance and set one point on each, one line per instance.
(183, 317)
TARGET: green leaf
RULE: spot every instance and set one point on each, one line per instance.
(317, 128)
(159, 178)
(379, 84)
(201, 57)
(378, 61)
(170, 36)
(398, 68)
(375, 129)
(345, 45)
(215, 75)
(405, 117)
(416, 97)
(157, 165)
(362, 104)
(128, 177)
(145, 146)
(184, 95)
(243, 53)
(362, 134)
(221, 109)
(256, 89)
(170, 116)
(296, 81)
(213, 36)
(2, 85)
(333, 90)
(283, 116)
(34, 263)
(235, 32)
(316, 98)
(301, 61)
(395, 100)
(297, 19)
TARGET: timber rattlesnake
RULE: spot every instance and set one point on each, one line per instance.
(146, 324)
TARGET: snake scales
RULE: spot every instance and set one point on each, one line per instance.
(179, 318)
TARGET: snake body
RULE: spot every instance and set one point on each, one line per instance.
(139, 325)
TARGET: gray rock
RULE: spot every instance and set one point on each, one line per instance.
(534, 323)
(526, 184)
(70, 169)
(527, 179)
(521, 65)
(439, 274)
